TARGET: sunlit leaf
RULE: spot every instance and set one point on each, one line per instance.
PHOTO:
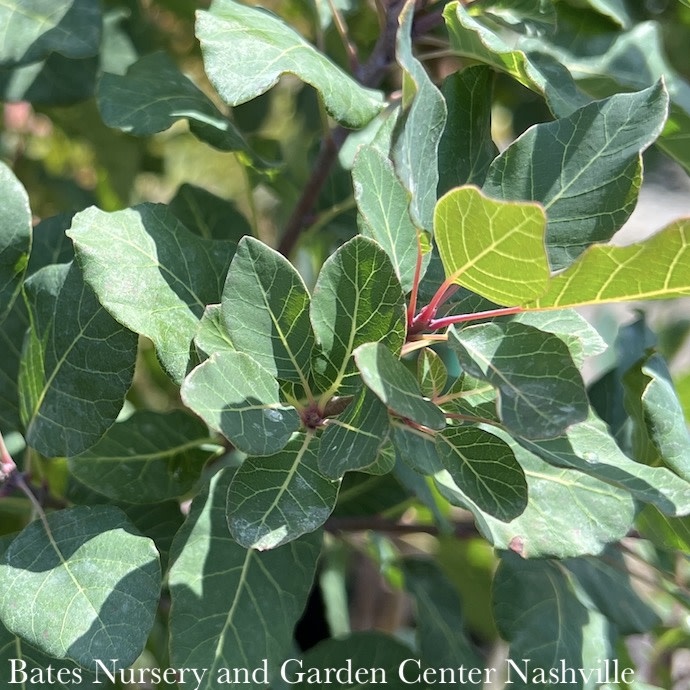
(274, 500)
(491, 247)
(247, 49)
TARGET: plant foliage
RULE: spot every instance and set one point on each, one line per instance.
(352, 323)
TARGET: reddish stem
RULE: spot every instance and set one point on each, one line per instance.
(436, 324)
(412, 307)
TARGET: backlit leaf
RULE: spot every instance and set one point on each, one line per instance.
(585, 169)
(247, 49)
(656, 268)
(493, 248)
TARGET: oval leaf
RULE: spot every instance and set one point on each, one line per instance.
(274, 500)
(234, 394)
(493, 248)
(83, 586)
(247, 49)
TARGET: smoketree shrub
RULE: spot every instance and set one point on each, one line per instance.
(351, 337)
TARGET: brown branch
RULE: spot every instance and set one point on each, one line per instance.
(370, 74)
(337, 525)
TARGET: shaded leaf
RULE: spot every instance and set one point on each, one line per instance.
(588, 447)
(357, 299)
(606, 581)
(585, 169)
(352, 440)
(668, 533)
(466, 148)
(525, 16)
(233, 607)
(147, 458)
(234, 394)
(77, 364)
(152, 275)
(493, 248)
(416, 449)
(154, 94)
(15, 238)
(265, 309)
(247, 49)
(384, 215)
(537, 611)
(32, 30)
(83, 586)
(208, 215)
(274, 500)
(440, 626)
(395, 386)
(568, 513)
(431, 373)
(486, 470)
(540, 389)
(656, 268)
(378, 658)
(415, 146)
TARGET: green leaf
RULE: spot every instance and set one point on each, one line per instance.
(579, 335)
(667, 533)
(525, 16)
(614, 9)
(584, 168)
(265, 309)
(431, 374)
(416, 449)
(540, 389)
(657, 268)
(234, 394)
(15, 237)
(466, 148)
(588, 447)
(233, 607)
(76, 367)
(32, 30)
(357, 300)
(57, 80)
(660, 433)
(419, 130)
(274, 500)
(606, 581)
(471, 38)
(372, 656)
(81, 585)
(537, 611)
(384, 214)
(11, 337)
(568, 513)
(212, 335)
(154, 94)
(208, 215)
(148, 458)
(440, 626)
(493, 248)
(352, 440)
(395, 386)
(247, 49)
(152, 275)
(486, 470)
